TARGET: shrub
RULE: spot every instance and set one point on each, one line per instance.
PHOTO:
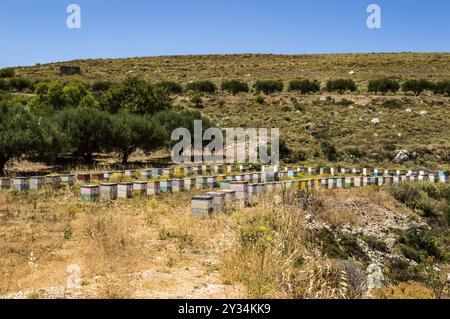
(135, 96)
(130, 132)
(341, 85)
(383, 86)
(86, 130)
(7, 73)
(196, 99)
(417, 86)
(304, 86)
(269, 86)
(171, 87)
(50, 94)
(4, 85)
(234, 86)
(20, 84)
(101, 86)
(259, 99)
(442, 87)
(418, 244)
(201, 86)
(73, 92)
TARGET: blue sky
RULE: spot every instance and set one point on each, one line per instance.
(36, 32)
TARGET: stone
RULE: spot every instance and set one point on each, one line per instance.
(375, 277)
(375, 121)
(402, 156)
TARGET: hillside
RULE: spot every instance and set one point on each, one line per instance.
(255, 66)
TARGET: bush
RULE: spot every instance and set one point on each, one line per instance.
(304, 86)
(418, 244)
(341, 85)
(101, 86)
(135, 96)
(417, 86)
(171, 87)
(442, 87)
(86, 131)
(20, 84)
(259, 99)
(7, 73)
(196, 99)
(234, 87)
(383, 86)
(130, 132)
(269, 86)
(201, 87)
(4, 85)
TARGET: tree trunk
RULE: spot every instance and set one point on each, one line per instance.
(125, 156)
(3, 160)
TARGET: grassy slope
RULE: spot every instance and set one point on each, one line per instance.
(427, 135)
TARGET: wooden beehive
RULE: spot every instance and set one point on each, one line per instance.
(89, 192)
(108, 191)
(177, 185)
(202, 205)
(5, 183)
(36, 182)
(218, 200)
(165, 186)
(146, 174)
(125, 190)
(68, 179)
(83, 178)
(140, 188)
(21, 183)
(153, 188)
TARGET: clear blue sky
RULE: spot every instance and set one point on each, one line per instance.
(35, 31)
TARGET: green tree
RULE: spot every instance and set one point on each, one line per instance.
(383, 86)
(341, 85)
(50, 95)
(131, 132)
(7, 73)
(417, 86)
(135, 96)
(86, 131)
(73, 93)
(20, 134)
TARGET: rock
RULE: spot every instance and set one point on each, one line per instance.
(423, 112)
(375, 121)
(408, 110)
(351, 72)
(402, 156)
(375, 277)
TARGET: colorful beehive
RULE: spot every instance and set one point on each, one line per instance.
(252, 191)
(200, 182)
(331, 183)
(5, 183)
(211, 181)
(395, 179)
(324, 170)
(340, 182)
(411, 172)
(68, 179)
(357, 181)
(349, 182)
(165, 186)
(187, 170)
(21, 183)
(37, 182)
(377, 172)
(167, 172)
(379, 180)
(292, 174)
(423, 172)
(125, 190)
(53, 181)
(146, 174)
(89, 192)
(230, 195)
(156, 172)
(153, 188)
(243, 168)
(107, 175)
(225, 184)
(140, 188)
(399, 172)
(218, 169)
(432, 178)
(312, 170)
(388, 180)
(241, 189)
(130, 172)
(356, 171)
(178, 171)
(344, 170)
(443, 177)
(231, 177)
(83, 178)
(202, 205)
(196, 169)
(229, 169)
(108, 191)
(324, 183)
(189, 183)
(366, 171)
(256, 177)
(422, 177)
(334, 171)
(240, 177)
(177, 185)
(97, 177)
(218, 200)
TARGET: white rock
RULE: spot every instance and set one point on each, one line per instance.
(423, 112)
(408, 110)
(351, 72)
(73, 276)
(375, 121)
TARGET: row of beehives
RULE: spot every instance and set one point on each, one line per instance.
(35, 182)
(243, 191)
